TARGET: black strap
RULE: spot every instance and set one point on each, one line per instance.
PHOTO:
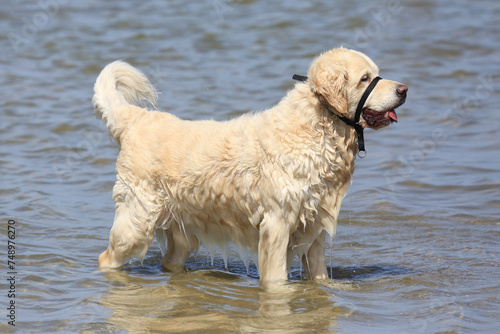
(355, 124)
(363, 99)
(299, 77)
(357, 116)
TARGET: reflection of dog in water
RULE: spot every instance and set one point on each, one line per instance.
(271, 183)
(214, 306)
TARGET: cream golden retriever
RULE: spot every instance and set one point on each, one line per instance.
(271, 182)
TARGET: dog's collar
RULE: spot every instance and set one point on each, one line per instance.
(354, 123)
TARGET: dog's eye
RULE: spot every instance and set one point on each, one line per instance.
(365, 78)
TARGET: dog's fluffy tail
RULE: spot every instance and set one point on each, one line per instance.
(120, 85)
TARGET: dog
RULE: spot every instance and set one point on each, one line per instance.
(271, 183)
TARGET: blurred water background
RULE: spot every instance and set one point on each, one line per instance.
(417, 248)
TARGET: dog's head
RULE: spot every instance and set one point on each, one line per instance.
(340, 77)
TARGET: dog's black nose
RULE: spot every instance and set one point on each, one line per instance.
(401, 90)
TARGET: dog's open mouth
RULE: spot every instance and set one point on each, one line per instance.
(378, 119)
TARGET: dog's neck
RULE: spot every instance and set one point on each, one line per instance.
(338, 133)
(337, 137)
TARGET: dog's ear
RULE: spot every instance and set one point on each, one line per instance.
(330, 84)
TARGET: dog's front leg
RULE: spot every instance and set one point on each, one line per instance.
(314, 264)
(274, 235)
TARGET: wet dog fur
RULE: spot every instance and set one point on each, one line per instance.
(269, 182)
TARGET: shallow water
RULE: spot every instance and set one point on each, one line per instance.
(417, 244)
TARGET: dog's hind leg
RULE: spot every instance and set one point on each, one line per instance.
(179, 245)
(133, 227)
(161, 238)
(127, 240)
(161, 227)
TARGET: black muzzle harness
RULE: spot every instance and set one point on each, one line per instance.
(355, 124)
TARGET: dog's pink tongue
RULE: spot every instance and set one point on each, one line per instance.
(392, 115)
